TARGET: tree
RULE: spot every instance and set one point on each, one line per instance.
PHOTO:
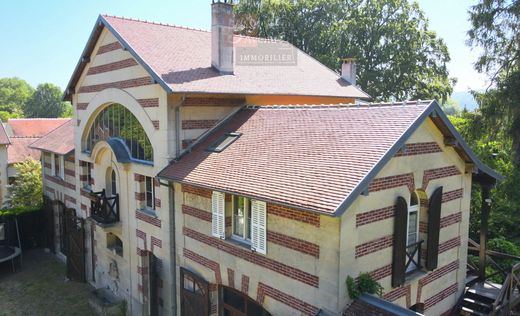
(46, 102)
(14, 93)
(397, 56)
(27, 189)
(495, 30)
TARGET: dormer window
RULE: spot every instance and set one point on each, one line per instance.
(223, 142)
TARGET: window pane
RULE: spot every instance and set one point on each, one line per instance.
(412, 227)
(239, 216)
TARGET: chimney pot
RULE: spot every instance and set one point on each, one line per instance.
(348, 70)
(222, 26)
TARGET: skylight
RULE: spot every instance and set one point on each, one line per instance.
(223, 142)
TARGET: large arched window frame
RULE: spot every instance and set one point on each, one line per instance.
(116, 121)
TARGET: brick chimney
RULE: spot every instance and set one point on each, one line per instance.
(222, 24)
(348, 70)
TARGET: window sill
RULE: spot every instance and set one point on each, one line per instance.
(148, 212)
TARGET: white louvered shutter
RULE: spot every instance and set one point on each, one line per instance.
(259, 226)
(218, 228)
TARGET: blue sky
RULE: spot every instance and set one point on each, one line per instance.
(41, 41)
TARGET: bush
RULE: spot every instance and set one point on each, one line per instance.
(364, 284)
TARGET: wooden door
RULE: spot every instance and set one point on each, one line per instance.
(75, 231)
(154, 284)
(49, 224)
(194, 294)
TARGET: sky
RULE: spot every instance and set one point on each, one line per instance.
(41, 41)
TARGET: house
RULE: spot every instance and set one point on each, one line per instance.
(16, 135)
(213, 178)
(59, 179)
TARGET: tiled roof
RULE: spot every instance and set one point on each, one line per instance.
(180, 59)
(4, 139)
(306, 157)
(33, 127)
(19, 149)
(59, 141)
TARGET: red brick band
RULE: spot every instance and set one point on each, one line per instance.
(148, 219)
(398, 293)
(449, 244)
(452, 195)
(375, 215)
(149, 103)
(289, 300)
(297, 215)
(374, 245)
(70, 172)
(139, 177)
(245, 284)
(197, 191)
(139, 196)
(419, 149)
(156, 242)
(381, 273)
(198, 124)
(69, 199)
(155, 124)
(231, 277)
(445, 222)
(435, 275)
(213, 102)
(447, 292)
(392, 182)
(125, 63)
(157, 202)
(254, 258)
(108, 48)
(198, 213)
(130, 83)
(297, 244)
(61, 182)
(438, 173)
(208, 263)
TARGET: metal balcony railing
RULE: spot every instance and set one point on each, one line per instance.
(104, 209)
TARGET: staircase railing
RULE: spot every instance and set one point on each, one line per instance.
(509, 296)
(105, 209)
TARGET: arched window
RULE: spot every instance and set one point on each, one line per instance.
(118, 122)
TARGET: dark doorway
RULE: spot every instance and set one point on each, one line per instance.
(194, 294)
(235, 303)
(154, 284)
(74, 227)
(60, 209)
(48, 211)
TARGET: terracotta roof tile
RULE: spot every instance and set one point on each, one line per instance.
(19, 149)
(181, 57)
(33, 127)
(306, 157)
(59, 141)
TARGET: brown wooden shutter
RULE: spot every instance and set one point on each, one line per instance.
(399, 247)
(434, 226)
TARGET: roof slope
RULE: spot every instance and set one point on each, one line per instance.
(19, 149)
(312, 158)
(33, 127)
(59, 141)
(180, 60)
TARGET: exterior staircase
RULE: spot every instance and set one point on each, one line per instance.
(476, 303)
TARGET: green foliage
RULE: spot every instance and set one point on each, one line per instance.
(46, 102)
(397, 56)
(364, 284)
(27, 189)
(14, 93)
(18, 211)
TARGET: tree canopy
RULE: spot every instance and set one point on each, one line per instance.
(27, 189)
(397, 56)
(14, 93)
(46, 102)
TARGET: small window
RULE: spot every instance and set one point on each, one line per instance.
(223, 142)
(57, 166)
(150, 193)
(89, 174)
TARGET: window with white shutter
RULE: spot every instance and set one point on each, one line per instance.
(218, 228)
(258, 226)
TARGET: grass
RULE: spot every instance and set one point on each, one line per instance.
(41, 288)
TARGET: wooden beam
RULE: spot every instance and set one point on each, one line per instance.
(450, 141)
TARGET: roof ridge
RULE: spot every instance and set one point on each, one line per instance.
(340, 105)
(155, 23)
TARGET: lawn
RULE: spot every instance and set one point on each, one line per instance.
(41, 288)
